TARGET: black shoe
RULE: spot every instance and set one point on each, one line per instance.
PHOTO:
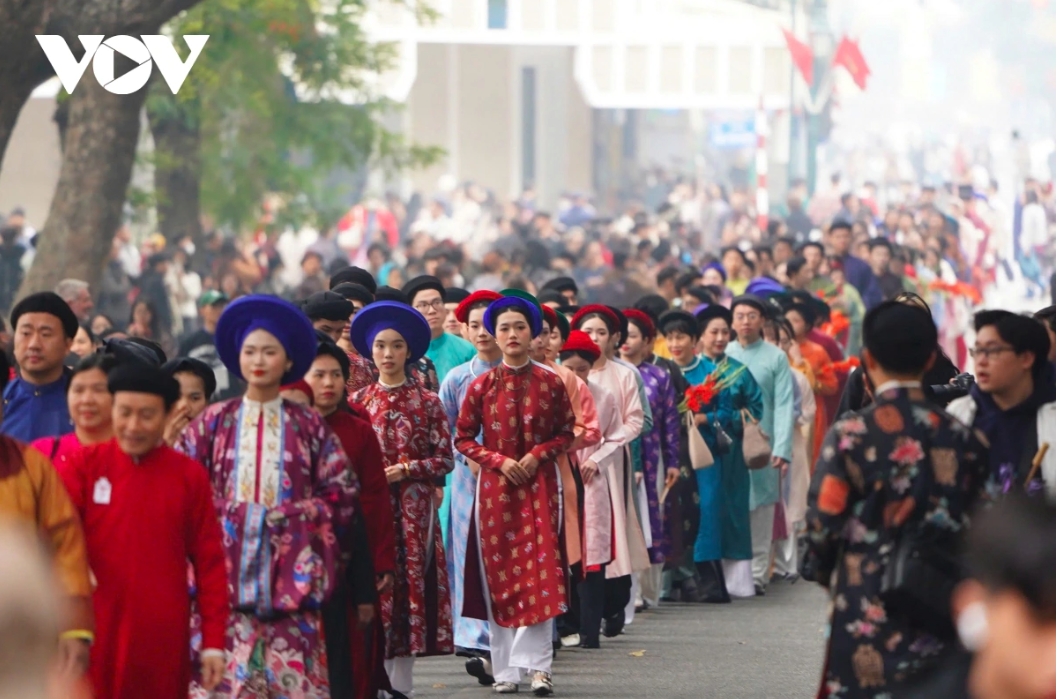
(613, 627)
(690, 591)
(590, 644)
(475, 667)
(760, 591)
(715, 599)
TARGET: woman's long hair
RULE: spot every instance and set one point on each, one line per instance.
(155, 327)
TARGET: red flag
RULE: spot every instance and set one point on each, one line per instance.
(849, 56)
(803, 58)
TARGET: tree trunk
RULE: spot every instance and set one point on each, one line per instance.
(176, 170)
(21, 66)
(86, 210)
(62, 120)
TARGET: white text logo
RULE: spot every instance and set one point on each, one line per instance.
(141, 51)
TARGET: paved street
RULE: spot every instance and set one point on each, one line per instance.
(762, 648)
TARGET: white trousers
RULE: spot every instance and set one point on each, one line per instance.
(761, 522)
(785, 562)
(515, 649)
(525, 648)
(650, 584)
(738, 575)
(401, 674)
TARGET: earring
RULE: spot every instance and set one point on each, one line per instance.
(972, 626)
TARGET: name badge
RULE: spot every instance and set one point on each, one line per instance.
(101, 493)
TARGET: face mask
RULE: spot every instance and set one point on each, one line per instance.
(189, 248)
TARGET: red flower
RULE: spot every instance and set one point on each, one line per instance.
(837, 325)
(699, 397)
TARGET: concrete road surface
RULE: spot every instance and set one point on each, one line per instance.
(764, 648)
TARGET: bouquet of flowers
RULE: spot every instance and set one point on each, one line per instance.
(698, 398)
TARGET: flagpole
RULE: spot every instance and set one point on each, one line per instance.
(794, 133)
(821, 40)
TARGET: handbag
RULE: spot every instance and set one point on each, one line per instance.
(700, 454)
(755, 444)
(723, 440)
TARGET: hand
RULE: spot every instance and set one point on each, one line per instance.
(780, 464)
(530, 463)
(475, 468)
(438, 497)
(588, 470)
(364, 616)
(700, 419)
(671, 477)
(395, 474)
(73, 657)
(514, 472)
(794, 353)
(178, 421)
(638, 478)
(213, 666)
(385, 582)
(274, 517)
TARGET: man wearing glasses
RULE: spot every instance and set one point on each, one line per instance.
(446, 351)
(1012, 402)
(770, 367)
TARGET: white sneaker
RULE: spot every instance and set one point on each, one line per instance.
(505, 688)
(571, 641)
(542, 686)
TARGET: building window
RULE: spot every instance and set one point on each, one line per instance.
(528, 127)
(497, 14)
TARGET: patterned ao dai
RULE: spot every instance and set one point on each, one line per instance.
(660, 449)
(284, 495)
(518, 411)
(412, 429)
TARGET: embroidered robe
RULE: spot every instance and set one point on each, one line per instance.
(412, 429)
(285, 496)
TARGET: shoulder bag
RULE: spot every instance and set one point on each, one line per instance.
(700, 454)
(755, 444)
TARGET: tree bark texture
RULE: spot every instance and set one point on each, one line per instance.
(86, 209)
(20, 70)
(176, 172)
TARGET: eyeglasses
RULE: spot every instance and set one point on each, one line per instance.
(435, 304)
(988, 352)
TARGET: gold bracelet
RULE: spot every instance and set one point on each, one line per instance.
(79, 634)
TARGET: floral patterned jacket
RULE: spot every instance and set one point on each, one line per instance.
(881, 471)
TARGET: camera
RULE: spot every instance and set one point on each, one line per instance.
(958, 387)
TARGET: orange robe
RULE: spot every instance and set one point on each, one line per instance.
(32, 492)
(825, 383)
